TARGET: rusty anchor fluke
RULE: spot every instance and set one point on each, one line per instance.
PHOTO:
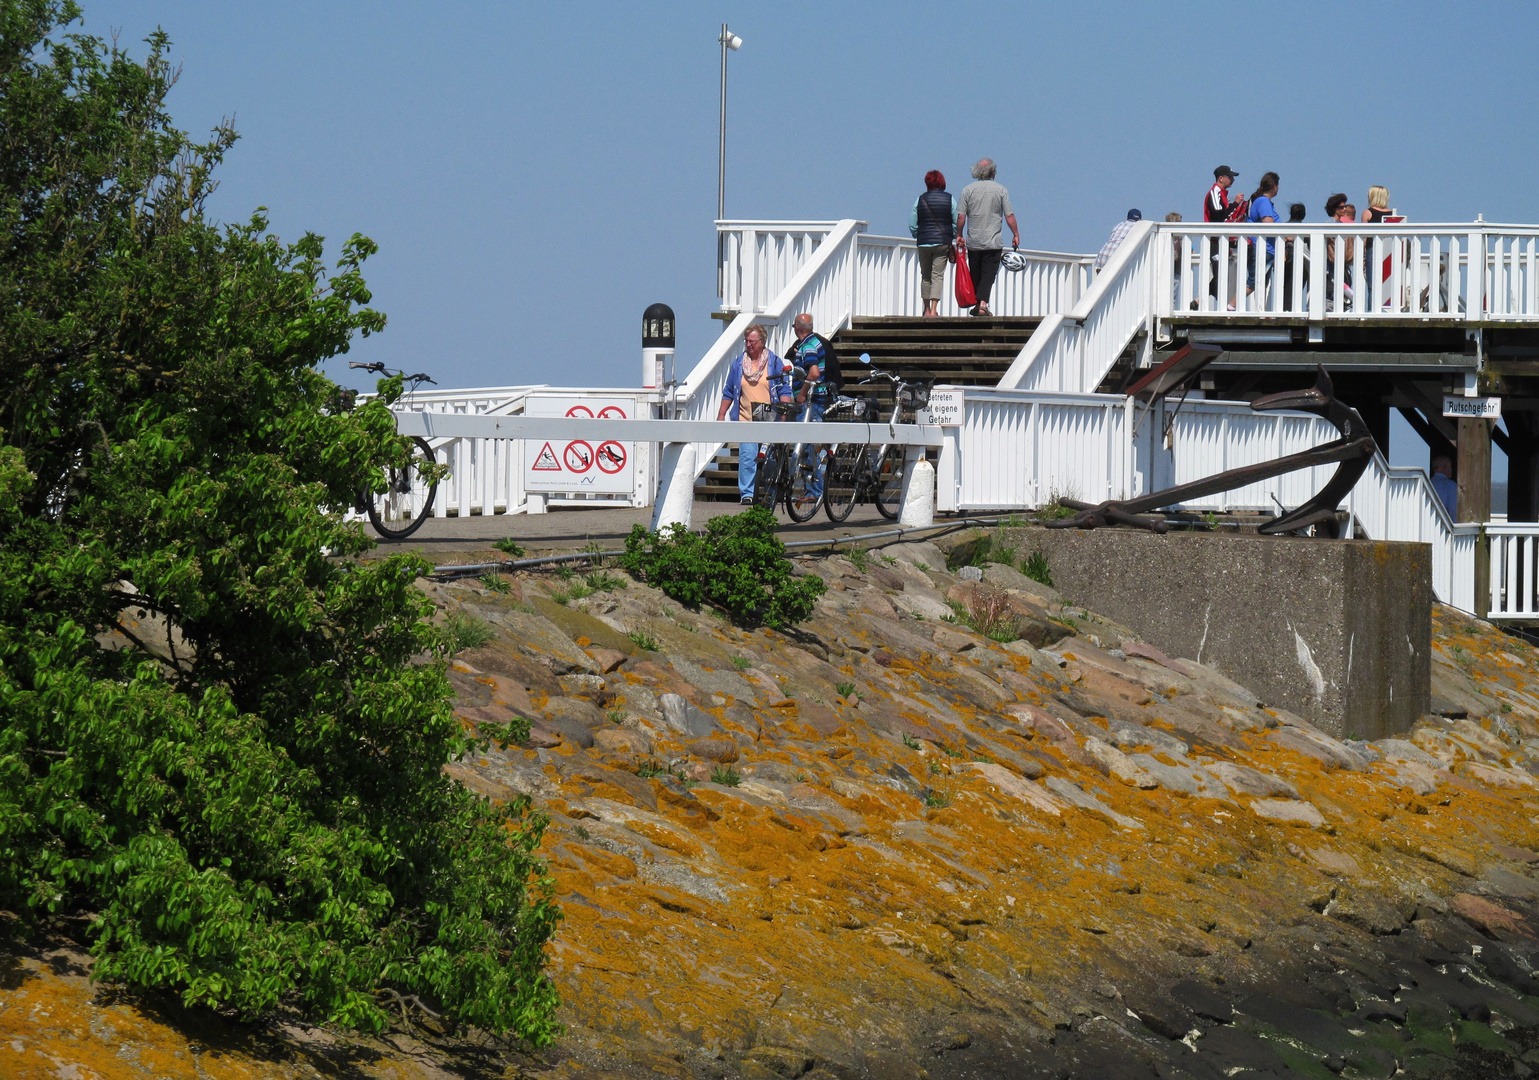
(1354, 450)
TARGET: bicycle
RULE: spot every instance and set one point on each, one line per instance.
(856, 473)
(785, 473)
(410, 489)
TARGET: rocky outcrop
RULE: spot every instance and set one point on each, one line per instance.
(892, 845)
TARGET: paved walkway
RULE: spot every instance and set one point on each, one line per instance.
(572, 529)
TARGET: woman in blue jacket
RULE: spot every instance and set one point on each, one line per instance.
(933, 224)
(757, 377)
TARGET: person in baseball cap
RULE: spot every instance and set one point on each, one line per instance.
(1216, 208)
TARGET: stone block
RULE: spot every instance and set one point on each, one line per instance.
(1337, 631)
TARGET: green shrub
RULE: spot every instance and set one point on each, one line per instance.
(845, 689)
(936, 800)
(643, 640)
(1035, 567)
(508, 546)
(250, 815)
(742, 663)
(738, 565)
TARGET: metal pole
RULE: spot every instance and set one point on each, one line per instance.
(721, 164)
(721, 151)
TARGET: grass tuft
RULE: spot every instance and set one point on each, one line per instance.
(643, 640)
(494, 583)
(725, 774)
(462, 630)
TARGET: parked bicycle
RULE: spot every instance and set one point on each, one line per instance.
(410, 489)
(858, 473)
(786, 470)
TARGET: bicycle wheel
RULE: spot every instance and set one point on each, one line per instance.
(766, 485)
(839, 481)
(800, 503)
(406, 502)
(887, 484)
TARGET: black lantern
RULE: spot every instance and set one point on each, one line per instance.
(657, 327)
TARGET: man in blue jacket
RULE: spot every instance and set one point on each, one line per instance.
(815, 387)
(757, 377)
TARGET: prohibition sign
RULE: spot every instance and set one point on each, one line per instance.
(611, 457)
(580, 410)
(578, 456)
(610, 412)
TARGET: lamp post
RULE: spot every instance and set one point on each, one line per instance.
(728, 40)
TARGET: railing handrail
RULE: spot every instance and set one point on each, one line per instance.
(725, 346)
(1109, 279)
(1358, 228)
(881, 239)
(728, 224)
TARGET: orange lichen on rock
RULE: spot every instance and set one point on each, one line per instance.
(885, 843)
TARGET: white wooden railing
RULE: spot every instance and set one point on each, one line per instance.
(1073, 351)
(887, 281)
(760, 258)
(1353, 272)
(1106, 446)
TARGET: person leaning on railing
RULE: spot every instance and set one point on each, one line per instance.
(757, 377)
(1114, 241)
(933, 225)
(1262, 212)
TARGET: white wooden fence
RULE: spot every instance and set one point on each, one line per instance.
(1020, 449)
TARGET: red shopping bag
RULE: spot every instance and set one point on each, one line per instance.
(966, 297)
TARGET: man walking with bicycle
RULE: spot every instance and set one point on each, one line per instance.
(757, 377)
(813, 360)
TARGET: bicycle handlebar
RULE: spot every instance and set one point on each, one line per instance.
(378, 368)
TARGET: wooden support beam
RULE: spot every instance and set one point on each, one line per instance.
(1437, 442)
(1474, 470)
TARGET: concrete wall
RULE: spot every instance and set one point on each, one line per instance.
(1338, 631)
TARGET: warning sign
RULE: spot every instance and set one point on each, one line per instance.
(611, 456)
(589, 463)
(578, 456)
(545, 460)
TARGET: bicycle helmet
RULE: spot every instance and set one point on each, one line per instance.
(1013, 260)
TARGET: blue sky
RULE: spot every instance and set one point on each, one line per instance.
(536, 174)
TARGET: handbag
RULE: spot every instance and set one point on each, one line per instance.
(966, 296)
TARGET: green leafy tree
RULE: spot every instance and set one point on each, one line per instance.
(219, 739)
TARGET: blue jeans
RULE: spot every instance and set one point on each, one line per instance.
(815, 488)
(747, 468)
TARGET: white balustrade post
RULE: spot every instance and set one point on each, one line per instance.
(918, 491)
(1317, 277)
(1475, 287)
(676, 486)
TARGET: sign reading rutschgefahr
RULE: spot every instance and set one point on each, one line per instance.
(1472, 408)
